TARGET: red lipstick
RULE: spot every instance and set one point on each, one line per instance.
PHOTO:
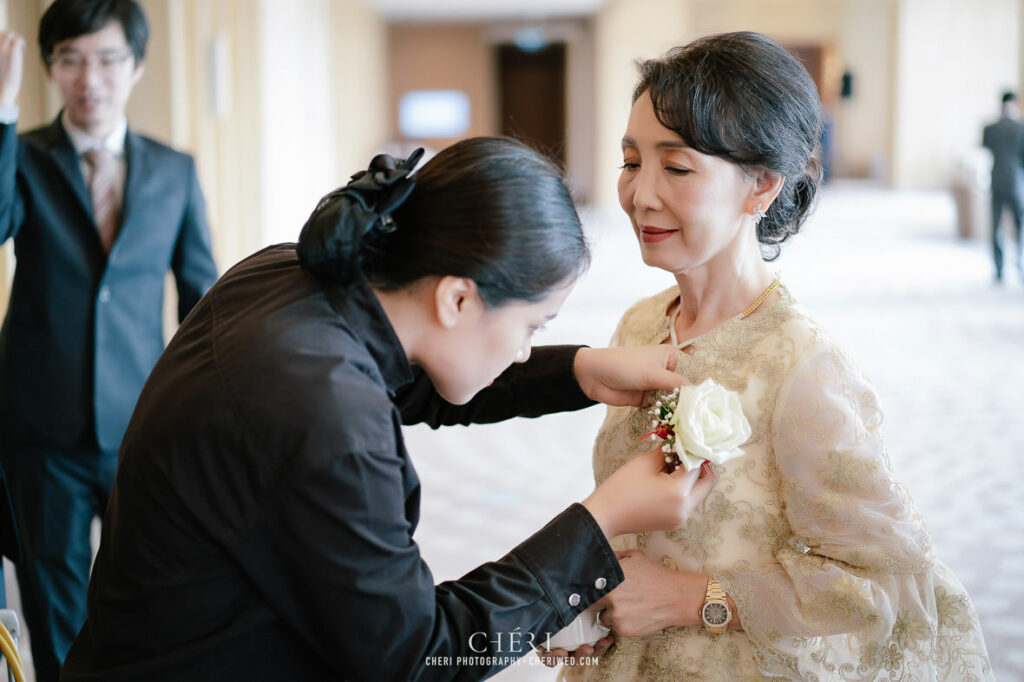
(651, 235)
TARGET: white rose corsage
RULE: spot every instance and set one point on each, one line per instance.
(699, 423)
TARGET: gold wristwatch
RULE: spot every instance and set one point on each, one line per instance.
(715, 613)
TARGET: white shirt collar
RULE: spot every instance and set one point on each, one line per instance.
(83, 142)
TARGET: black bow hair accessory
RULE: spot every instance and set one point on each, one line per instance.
(332, 238)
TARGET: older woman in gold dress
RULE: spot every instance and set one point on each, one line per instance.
(826, 568)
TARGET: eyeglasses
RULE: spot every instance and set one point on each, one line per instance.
(107, 63)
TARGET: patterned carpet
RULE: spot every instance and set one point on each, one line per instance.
(914, 306)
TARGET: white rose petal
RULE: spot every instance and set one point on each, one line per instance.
(709, 424)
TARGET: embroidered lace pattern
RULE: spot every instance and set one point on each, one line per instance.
(830, 565)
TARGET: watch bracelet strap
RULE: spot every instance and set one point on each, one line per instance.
(715, 591)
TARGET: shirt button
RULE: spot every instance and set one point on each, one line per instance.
(104, 294)
(574, 599)
(600, 583)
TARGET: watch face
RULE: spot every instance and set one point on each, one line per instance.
(716, 613)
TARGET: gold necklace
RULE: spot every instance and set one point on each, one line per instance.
(760, 299)
(758, 302)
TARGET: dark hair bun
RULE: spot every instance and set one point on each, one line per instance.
(488, 209)
(331, 241)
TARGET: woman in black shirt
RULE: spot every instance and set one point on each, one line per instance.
(261, 523)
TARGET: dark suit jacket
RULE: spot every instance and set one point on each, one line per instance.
(261, 526)
(83, 330)
(1005, 139)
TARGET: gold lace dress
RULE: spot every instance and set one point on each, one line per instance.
(829, 564)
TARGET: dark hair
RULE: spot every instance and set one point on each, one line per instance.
(1009, 96)
(489, 209)
(67, 19)
(742, 97)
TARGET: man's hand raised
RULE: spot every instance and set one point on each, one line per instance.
(12, 62)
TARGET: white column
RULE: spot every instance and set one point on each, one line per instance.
(624, 31)
(298, 135)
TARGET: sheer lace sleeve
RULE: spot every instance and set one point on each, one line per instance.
(855, 591)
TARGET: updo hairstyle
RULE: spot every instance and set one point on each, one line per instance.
(488, 209)
(741, 96)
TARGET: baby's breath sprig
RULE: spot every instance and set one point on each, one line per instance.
(661, 413)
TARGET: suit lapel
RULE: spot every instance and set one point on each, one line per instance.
(63, 154)
(136, 161)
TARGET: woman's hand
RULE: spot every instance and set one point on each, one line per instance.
(621, 376)
(642, 496)
(652, 597)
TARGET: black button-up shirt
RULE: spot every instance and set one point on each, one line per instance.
(261, 526)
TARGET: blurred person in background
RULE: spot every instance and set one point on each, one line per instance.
(1005, 139)
(98, 215)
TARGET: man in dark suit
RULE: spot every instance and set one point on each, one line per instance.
(1005, 139)
(98, 215)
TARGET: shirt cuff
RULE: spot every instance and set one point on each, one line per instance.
(573, 562)
(9, 114)
(550, 376)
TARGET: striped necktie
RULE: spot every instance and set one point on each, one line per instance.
(105, 208)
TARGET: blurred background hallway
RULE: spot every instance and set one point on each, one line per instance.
(280, 102)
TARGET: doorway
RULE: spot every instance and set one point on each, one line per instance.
(531, 97)
(821, 63)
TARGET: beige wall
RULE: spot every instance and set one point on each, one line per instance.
(580, 114)
(38, 100)
(221, 38)
(151, 99)
(860, 34)
(174, 103)
(445, 57)
(953, 60)
(624, 31)
(927, 73)
(864, 123)
(262, 96)
(360, 86)
(462, 57)
(1020, 46)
